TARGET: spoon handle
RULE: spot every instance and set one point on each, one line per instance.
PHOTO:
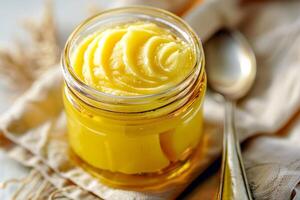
(233, 184)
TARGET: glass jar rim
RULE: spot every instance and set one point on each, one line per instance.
(99, 96)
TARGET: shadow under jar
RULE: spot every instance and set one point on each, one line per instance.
(136, 141)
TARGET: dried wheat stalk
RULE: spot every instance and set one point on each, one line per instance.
(23, 63)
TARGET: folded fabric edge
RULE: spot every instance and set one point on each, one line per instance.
(62, 185)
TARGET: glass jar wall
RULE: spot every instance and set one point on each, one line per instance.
(134, 141)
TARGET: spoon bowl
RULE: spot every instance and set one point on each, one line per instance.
(231, 64)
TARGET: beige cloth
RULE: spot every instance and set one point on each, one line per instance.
(273, 164)
(35, 125)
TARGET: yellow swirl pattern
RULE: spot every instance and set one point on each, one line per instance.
(133, 59)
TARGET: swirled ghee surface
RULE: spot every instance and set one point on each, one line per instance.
(133, 59)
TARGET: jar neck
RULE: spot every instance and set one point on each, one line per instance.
(169, 101)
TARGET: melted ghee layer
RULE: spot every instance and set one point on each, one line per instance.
(133, 59)
(144, 148)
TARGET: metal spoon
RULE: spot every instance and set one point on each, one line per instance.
(231, 70)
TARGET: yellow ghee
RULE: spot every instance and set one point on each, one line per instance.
(133, 59)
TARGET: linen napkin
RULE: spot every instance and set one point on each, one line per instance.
(272, 163)
(34, 128)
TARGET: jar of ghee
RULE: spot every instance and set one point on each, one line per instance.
(134, 87)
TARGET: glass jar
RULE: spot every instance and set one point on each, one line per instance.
(134, 141)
